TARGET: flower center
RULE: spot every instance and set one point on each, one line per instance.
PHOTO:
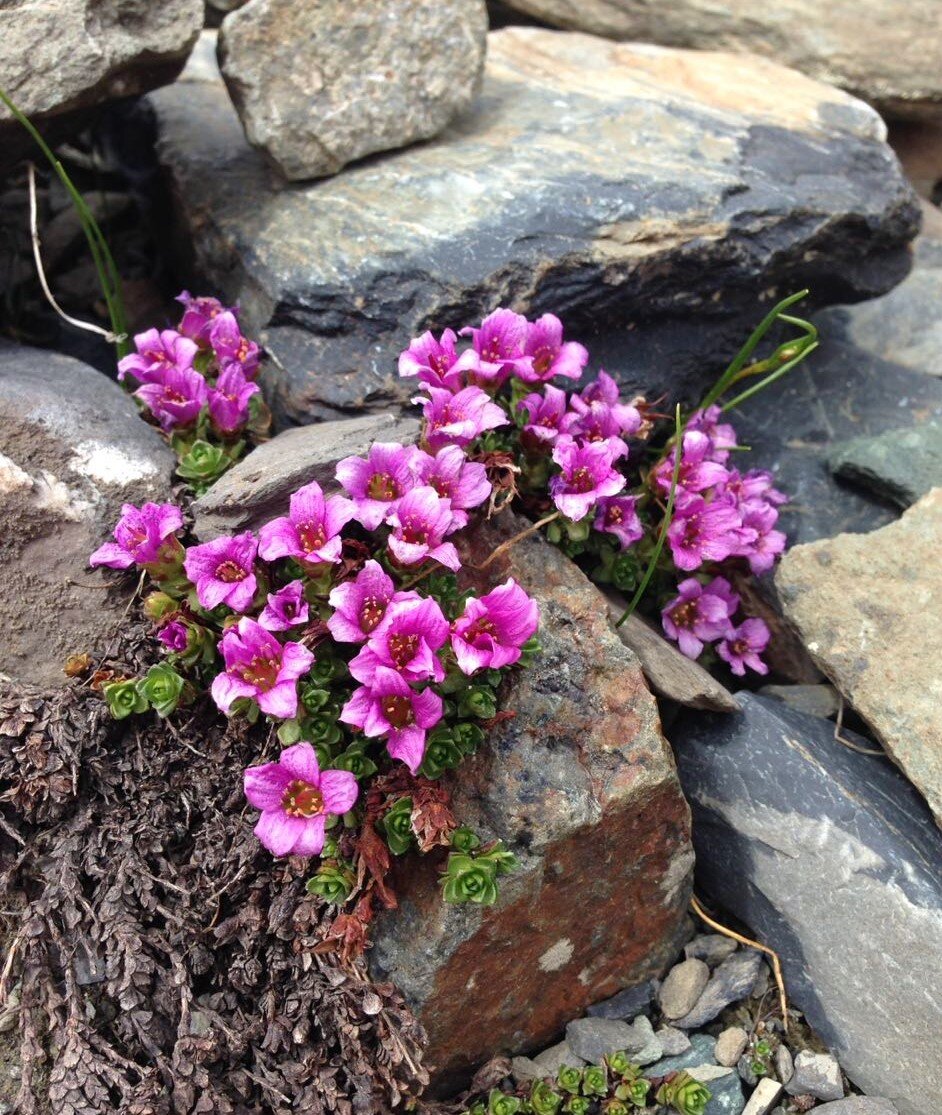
(312, 536)
(614, 517)
(157, 357)
(415, 532)
(243, 350)
(402, 648)
(398, 711)
(482, 626)
(582, 480)
(262, 672)
(301, 799)
(383, 487)
(230, 572)
(442, 486)
(543, 359)
(171, 396)
(685, 615)
(371, 612)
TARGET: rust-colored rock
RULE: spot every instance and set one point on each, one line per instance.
(582, 787)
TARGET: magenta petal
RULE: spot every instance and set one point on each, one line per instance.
(280, 701)
(310, 840)
(112, 555)
(265, 785)
(409, 746)
(300, 761)
(278, 832)
(226, 689)
(340, 790)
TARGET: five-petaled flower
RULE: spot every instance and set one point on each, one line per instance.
(420, 523)
(157, 350)
(144, 536)
(437, 363)
(360, 605)
(545, 412)
(588, 474)
(618, 515)
(259, 667)
(390, 707)
(499, 344)
(702, 531)
(310, 531)
(377, 481)
(175, 396)
(229, 399)
(285, 608)
(743, 645)
(453, 476)
(549, 354)
(199, 313)
(230, 347)
(493, 628)
(699, 614)
(458, 419)
(296, 797)
(223, 571)
(407, 640)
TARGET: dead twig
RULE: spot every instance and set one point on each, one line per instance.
(839, 723)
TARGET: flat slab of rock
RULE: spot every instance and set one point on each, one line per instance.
(867, 608)
(833, 859)
(858, 1105)
(72, 450)
(873, 48)
(600, 181)
(899, 466)
(320, 85)
(258, 488)
(582, 787)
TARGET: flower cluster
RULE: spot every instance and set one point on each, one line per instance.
(586, 452)
(197, 382)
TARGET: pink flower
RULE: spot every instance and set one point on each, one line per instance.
(550, 356)
(697, 471)
(699, 614)
(175, 396)
(408, 640)
(763, 551)
(499, 343)
(391, 707)
(453, 476)
(361, 604)
(703, 531)
(231, 347)
(285, 609)
(157, 350)
(743, 645)
(258, 666)
(437, 363)
(311, 530)
(493, 628)
(546, 414)
(599, 413)
(175, 635)
(223, 571)
(458, 419)
(143, 536)
(420, 523)
(229, 399)
(722, 436)
(199, 315)
(296, 797)
(587, 475)
(377, 482)
(753, 485)
(618, 515)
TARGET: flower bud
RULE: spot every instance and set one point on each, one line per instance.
(158, 604)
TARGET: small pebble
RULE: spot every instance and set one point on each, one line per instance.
(816, 1074)
(784, 1065)
(711, 948)
(642, 1045)
(731, 982)
(730, 1046)
(744, 1068)
(683, 987)
(591, 1038)
(761, 1100)
(551, 1059)
(673, 1042)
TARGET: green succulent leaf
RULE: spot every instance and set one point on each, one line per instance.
(397, 825)
(441, 753)
(595, 1080)
(124, 698)
(499, 1103)
(162, 688)
(465, 840)
(334, 881)
(577, 1105)
(467, 879)
(203, 464)
(684, 1094)
(479, 701)
(354, 759)
(544, 1099)
(569, 1079)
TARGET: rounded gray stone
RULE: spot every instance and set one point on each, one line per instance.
(682, 988)
(730, 1046)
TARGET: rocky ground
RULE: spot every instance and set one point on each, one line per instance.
(353, 176)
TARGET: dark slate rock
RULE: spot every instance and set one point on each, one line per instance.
(899, 466)
(839, 393)
(701, 1050)
(593, 1038)
(726, 1094)
(618, 186)
(832, 858)
(626, 1004)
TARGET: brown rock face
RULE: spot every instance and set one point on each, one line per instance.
(582, 787)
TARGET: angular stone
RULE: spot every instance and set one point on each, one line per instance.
(730, 1046)
(259, 486)
(626, 1004)
(603, 182)
(581, 786)
(711, 948)
(673, 1041)
(814, 845)
(642, 1044)
(556, 1057)
(858, 1105)
(900, 466)
(594, 1038)
(866, 607)
(524, 1070)
(682, 987)
(816, 700)
(72, 450)
(701, 1051)
(318, 86)
(816, 1074)
(730, 982)
(766, 1093)
(66, 55)
(873, 48)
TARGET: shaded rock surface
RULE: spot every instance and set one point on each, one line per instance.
(874, 48)
(867, 607)
(582, 787)
(831, 858)
(731, 981)
(318, 86)
(617, 186)
(899, 466)
(816, 700)
(65, 470)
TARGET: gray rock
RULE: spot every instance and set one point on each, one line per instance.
(318, 86)
(73, 449)
(813, 845)
(626, 1004)
(726, 1094)
(555, 1057)
(900, 466)
(730, 1046)
(593, 1038)
(858, 1105)
(761, 1100)
(524, 1070)
(860, 603)
(61, 56)
(673, 1041)
(784, 1064)
(704, 170)
(701, 1051)
(730, 982)
(872, 48)
(580, 777)
(259, 486)
(816, 1074)
(744, 1067)
(682, 988)
(642, 1043)
(711, 948)
(815, 700)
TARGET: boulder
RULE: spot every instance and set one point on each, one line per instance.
(582, 787)
(66, 55)
(65, 470)
(832, 859)
(618, 186)
(318, 86)
(876, 49)
(867, 608)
